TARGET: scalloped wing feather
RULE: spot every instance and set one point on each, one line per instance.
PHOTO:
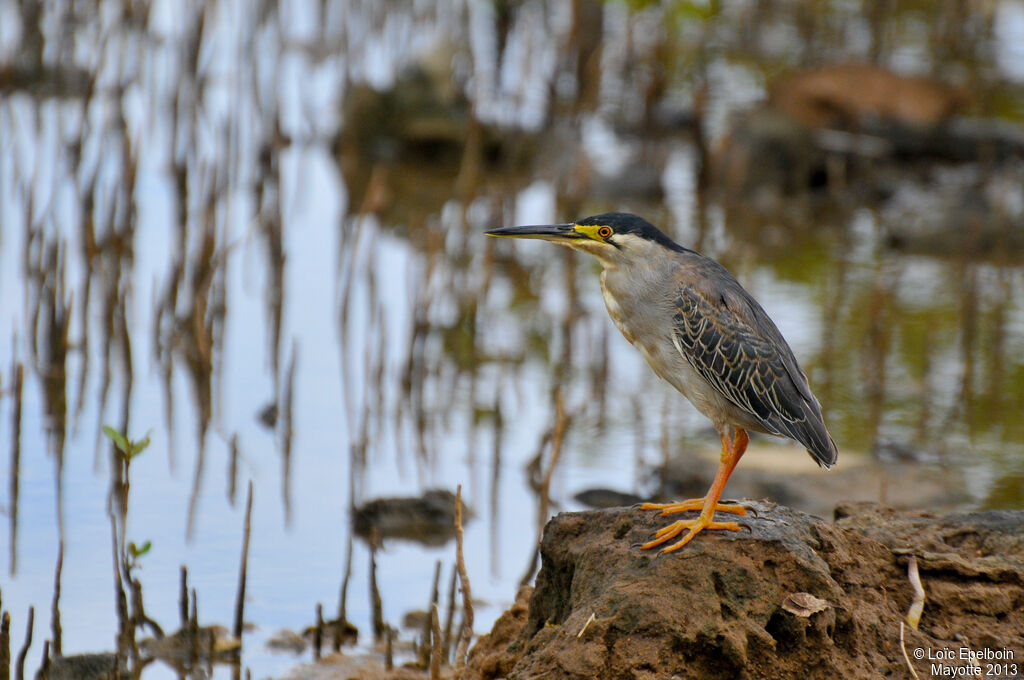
(734, 345)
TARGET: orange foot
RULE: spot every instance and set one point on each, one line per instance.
(732, 448)
(694, 527)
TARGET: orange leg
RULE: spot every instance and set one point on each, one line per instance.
(731, 453)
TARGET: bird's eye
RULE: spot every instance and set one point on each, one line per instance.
(604, 232)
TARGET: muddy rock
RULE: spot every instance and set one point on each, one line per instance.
(428, 519)
(95, 666)
(791, 596)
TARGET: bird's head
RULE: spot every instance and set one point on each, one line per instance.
(613, 238)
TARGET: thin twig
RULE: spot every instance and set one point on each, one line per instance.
(287, 434)
(19, 665)
(906, 657)
(467, 593)
(183, 597)
(593, 615)
(139, 617)
(449, 614)
(318, 632)
(435, 646)
(426, 650)
(44, 664)
(494, 532)
(5, 646)
(233, 469)
(193, 629)
(343, 597)
(55, 628)
(124, 628)
(14, 490)
(376, 606)
(243, 568)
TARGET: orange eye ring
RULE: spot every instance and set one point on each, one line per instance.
(604, 232)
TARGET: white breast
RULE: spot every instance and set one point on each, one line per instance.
(645, 319)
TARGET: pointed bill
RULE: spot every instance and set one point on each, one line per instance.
(546, 232)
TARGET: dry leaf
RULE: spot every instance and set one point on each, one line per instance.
(804, 604)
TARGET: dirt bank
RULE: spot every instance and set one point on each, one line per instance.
(796, 596)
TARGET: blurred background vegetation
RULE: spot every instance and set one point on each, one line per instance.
(254, 229)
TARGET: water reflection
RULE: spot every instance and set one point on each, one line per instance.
(217, 210)
(428, 519)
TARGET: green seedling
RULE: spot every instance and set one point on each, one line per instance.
(129, 448)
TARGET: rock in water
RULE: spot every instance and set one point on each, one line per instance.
(428, 519)
(795, 596)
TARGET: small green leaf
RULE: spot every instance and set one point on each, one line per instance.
(140, 445)
(138, 551)
(120, 441)
(128, 448)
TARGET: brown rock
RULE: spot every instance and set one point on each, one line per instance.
(489, 654)
(846, 95)
(795, 596)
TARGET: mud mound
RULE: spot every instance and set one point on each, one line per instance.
(796, 596)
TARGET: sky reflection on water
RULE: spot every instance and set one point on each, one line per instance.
(199, 208)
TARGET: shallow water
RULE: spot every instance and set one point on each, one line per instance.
(184, 191)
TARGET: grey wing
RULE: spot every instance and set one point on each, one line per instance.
(744, 357)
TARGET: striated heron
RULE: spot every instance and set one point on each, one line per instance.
(701, 331)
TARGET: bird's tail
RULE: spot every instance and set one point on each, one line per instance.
(819, 442)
